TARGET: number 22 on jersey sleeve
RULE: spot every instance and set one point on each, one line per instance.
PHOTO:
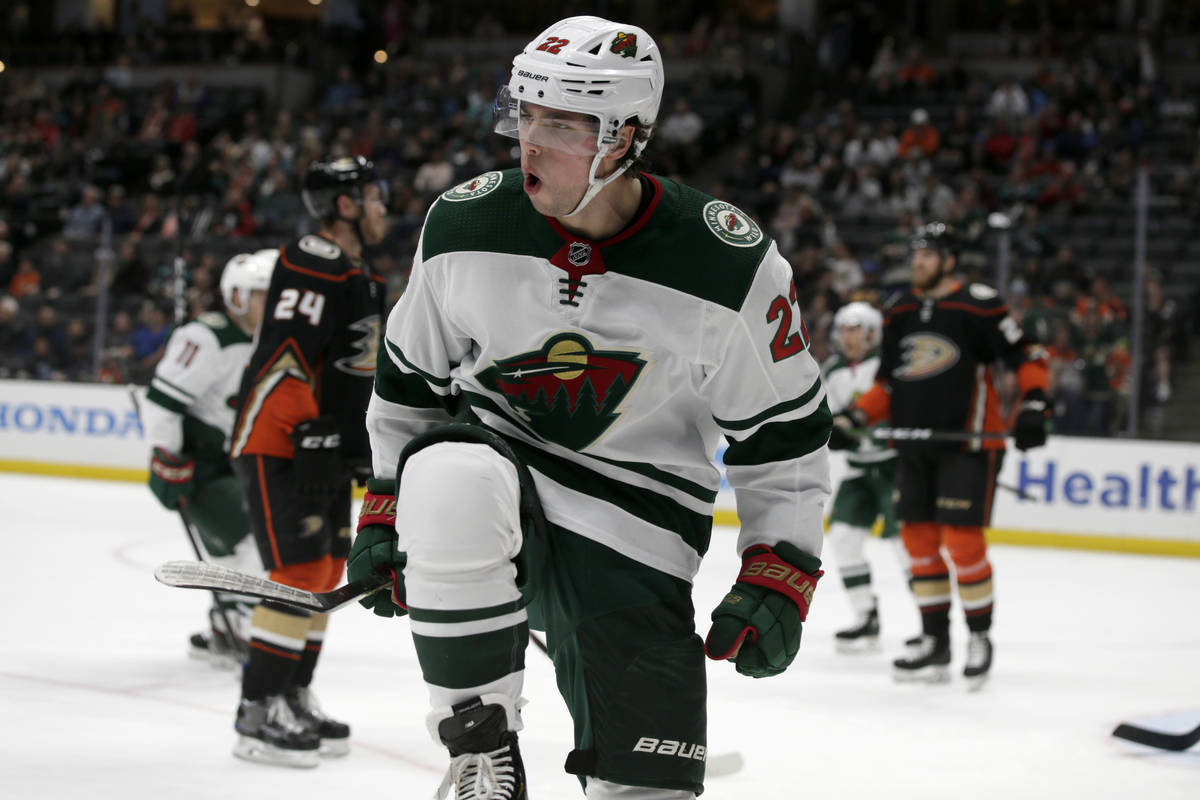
(786, 342)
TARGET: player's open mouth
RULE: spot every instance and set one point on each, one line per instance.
(532, 183)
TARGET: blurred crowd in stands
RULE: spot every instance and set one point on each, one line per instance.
(103, 186)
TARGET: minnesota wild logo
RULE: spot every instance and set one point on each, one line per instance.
(567, 391)
(476, 187)
(731, 225)
(624, 45)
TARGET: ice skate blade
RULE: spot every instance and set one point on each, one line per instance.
(857, 647)
(930, 675)
(976, 682)
(334, 748)
(222, 661)
(250, 749)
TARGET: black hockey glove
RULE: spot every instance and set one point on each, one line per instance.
(758, 624)
(317, 465)
(1030, 428)
(374, 549)
(842, 436)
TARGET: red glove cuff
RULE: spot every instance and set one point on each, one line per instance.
(395, 587)
(761, 567)
(377, 509)
(172, 468)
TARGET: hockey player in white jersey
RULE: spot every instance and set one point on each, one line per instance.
(592, 330)
(866, 492)
(188, 419)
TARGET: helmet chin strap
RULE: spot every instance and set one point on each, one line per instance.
(596, 184)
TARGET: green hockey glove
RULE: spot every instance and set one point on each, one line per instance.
(758, 624)
(171, 477)
(374, 549)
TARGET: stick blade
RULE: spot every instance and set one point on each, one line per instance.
(1175, 742)
(199, 575)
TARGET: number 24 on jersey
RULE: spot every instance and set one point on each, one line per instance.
(310, 304)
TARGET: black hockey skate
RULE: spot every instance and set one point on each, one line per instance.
(485, 761)
(862, 638)
(269, 733)
(335, 736)
(215, 648)
(926, 662)
(979, 660)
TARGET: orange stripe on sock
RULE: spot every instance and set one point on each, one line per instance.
(274, 651)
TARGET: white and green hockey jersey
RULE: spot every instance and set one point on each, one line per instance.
(188, 409)
(615, 367)
(845, 381)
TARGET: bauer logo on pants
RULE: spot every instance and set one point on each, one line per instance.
(731, 225)
(476, 187)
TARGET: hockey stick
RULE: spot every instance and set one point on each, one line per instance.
(199, 575)
(930, 435)
(1163, 741)
(193, 537)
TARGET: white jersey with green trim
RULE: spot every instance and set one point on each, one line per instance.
(845, 381)
(614, 367)
(197, 377)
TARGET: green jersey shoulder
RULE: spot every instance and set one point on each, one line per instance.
(223, 328)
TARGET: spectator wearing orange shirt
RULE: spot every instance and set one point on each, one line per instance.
(25, 281)
(920, 138)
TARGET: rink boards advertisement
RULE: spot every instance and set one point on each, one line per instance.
(1111, 494)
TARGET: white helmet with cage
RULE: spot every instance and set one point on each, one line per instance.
(248, 272)
(858, 315)
(586, 65)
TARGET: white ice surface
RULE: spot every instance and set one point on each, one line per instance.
(97, 698)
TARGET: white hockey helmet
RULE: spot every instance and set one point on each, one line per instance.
(249, 272)
(587, 65)
(858, 315)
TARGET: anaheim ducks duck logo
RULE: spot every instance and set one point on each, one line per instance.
(567, 391)
(366, 347)
(925, 355)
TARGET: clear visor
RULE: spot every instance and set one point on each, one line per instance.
(565, 131)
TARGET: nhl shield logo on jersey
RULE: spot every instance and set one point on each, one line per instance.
(925, 355)
(624, 45)
(730, 225)
(476, 187)
(568, 391)
(579, 253)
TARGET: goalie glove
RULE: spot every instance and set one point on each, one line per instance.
(171, 477)
(374, 549)
(758, 624)
(1030, 428)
